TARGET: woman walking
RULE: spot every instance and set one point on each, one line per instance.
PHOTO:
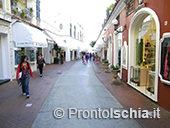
(41, 63)
(24, 68)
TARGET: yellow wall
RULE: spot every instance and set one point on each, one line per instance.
(23, 3)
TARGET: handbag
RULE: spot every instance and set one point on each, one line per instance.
(19, 79)
(20, 75)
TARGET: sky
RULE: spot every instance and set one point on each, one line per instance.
(89, 13)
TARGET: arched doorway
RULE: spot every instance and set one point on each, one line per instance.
(144, 34)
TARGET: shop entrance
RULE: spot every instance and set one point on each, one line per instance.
(142, 55)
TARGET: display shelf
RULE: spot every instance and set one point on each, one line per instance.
(135, 75)
(138, 75)
(151, 79)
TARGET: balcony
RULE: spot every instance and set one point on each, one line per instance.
(22, 12)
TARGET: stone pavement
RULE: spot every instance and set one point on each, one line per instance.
(73, 85)
(13, 110)
(130, 98)
(79, 88)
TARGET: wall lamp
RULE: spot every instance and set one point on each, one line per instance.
(104, 38)
(115, 23)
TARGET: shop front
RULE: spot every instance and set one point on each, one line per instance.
(143, 52)
(27, 40)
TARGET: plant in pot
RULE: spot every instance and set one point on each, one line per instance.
(103, 62)
(115, 70)
(58, 50)
(106, 66)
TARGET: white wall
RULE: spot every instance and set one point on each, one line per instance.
(4, 58)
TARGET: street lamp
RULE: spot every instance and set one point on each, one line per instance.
(115, 23)
(104, 38)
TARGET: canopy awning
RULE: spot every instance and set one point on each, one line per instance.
(25, 35)
(58, 39)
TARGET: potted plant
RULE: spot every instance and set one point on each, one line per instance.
(58, 50)
(115, 70)
(106, 66)
(56, 60)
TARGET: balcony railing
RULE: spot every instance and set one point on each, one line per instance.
(22, 12)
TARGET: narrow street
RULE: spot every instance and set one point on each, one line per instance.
(73, 85)
(80, 88)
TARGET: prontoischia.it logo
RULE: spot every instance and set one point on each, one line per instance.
(107, 113)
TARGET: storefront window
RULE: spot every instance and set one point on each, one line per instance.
(124, 55)
(18, 54)
(32, 55)
(1, 4)
(145, 48)
(165, 59)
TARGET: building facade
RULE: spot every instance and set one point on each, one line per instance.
(140, 46)
(66, 32)
(27, 36)
(5, 39)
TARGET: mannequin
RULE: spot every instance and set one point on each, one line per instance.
(167, 64)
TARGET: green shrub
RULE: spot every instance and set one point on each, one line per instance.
(106, 61)
(114, 67)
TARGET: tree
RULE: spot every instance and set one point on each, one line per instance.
(92, 43)
(110, 7)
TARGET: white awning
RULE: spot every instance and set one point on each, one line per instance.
(25, 35)
(71, 42)
(58, 39)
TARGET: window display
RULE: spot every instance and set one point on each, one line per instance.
(143, 70)
(18, 54)
(165, 57)
(150, 84)
(135, 75)
(32, 55)
(1, 4)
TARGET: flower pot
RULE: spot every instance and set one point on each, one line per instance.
(115, 76)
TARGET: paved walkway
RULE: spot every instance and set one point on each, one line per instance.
(79, 88)
(13, 110)
(130, 98)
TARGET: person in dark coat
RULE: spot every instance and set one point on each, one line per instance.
(41, 63)
(61, 58)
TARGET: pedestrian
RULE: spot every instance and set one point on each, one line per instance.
(84, 59)
(87, 57)
(90, 56)
(93, 57)
(61, 58)
(40, 63)
(24, 69)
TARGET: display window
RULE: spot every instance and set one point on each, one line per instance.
(18, 54)
(165, 59)
(143, 71)
(124, 55)
(1, 4)
(32, 55)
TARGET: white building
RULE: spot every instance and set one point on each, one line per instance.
(5, 41)
(66, 32)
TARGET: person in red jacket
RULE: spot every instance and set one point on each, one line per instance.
(25, 68)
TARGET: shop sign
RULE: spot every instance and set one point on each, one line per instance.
(130, 5)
